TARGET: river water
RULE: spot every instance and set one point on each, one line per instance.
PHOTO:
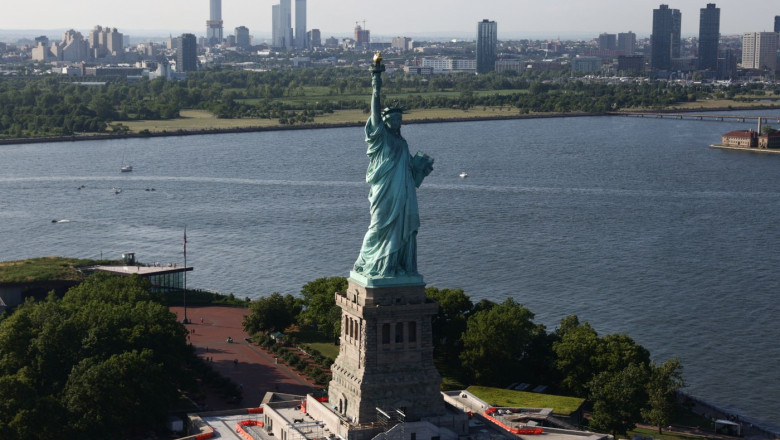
(635, 225)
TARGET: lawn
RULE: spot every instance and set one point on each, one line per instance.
(501, 397)
(204, 120)
(318, 341)
(43, 269)
(653, 433)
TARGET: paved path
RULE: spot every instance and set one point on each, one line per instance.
(256, 370)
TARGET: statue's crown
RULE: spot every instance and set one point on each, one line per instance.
(394, 109)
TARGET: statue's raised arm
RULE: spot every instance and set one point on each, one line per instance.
(376, 85)
(390, 246)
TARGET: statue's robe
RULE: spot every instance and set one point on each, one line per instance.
(390, 245)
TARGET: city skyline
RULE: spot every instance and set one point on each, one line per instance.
(517, 19)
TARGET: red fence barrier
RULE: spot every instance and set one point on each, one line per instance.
(526, 431)
(240, 428)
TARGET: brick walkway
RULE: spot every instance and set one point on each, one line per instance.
(256, 370)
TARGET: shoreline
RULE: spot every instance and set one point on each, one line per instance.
(312, 126)
(325, 125)
(748, 149)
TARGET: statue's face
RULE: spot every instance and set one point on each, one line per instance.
(393, 121)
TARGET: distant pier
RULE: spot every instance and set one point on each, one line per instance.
(700, 117)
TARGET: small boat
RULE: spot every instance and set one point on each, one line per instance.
(463, 175)
(117, 190)
(126, 168)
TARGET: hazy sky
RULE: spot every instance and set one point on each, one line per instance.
(516, 18)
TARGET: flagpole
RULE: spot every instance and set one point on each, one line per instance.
(186, 321)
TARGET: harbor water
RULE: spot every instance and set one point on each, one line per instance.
(635, 225)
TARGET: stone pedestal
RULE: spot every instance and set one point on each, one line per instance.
(386, 355)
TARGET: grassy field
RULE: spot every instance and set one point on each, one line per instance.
(666, 435)
(43, 269)
(204, 120)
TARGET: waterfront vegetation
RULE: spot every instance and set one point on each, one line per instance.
(221, 98)
(495, 344)
(45, 269)
(66, 355)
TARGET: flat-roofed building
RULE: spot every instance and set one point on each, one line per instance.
(626, 42)
(759, 50)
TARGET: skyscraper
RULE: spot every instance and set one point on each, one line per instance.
(487, 38)
(187, 53)
(282, 32)
(676, 32)
(300, 24)
(709, 35)
(777, 24)
(759, 50)
(661, 39)
(214, 23)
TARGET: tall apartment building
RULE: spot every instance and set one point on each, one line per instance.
(362, 36)
(607, 41)
(242, 37)
(759, 50)
(487, 38)
(301, 42)
(709, 36)
(676, 32)
(282, 31)
(626, 41)
(187, 53)
(214, 23)
(665, 26)
(105, 42)
(314, 38)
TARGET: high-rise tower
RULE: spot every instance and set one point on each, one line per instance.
(676, 33)
(300, 24)
(187, 53)
(487, 38)
(282, 32)
(709, 35)
(214, 23)
(661, 39)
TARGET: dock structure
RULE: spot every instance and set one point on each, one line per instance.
(699, 116)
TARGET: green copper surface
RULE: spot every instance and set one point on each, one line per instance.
(389, 248)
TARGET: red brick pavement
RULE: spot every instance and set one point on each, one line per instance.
(256, 370)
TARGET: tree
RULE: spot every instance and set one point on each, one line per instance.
(450, 322)
(581, 354)
(497, 341)
(664, 382)
(319, 305)
(618, 398)
(275, 312)
(104, 357)
(574, 352)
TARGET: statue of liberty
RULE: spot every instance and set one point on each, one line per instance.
(390, 245)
